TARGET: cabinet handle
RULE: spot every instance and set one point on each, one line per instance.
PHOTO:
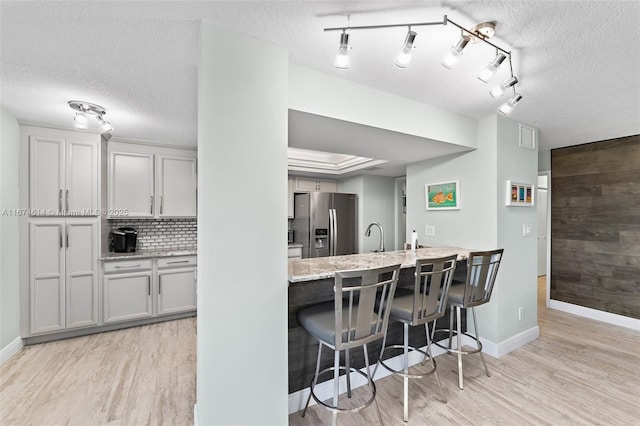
(161, 198)
(60, 233)
(178, 261)
(66, 200)
(159, 284)
(151, 204)
(60, 202)
(127, 266)
(67, 236)
(148, 286)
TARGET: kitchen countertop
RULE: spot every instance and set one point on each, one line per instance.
(144, 254)
(325, 267)
(295, 245)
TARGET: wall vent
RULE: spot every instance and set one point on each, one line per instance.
(527, 137)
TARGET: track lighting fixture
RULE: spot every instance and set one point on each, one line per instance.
(343, 61)
(508, 106)
(83, 110)
(491, 68)
(501, 88)
(403, 58)
(451, 58)
(80, 121)
(480, 33)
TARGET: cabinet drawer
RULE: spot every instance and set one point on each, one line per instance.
(295, 252)
(127, 266)
(177, 261)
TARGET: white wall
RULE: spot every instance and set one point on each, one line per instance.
(376, 203)
(379, 206)
(330, 96)
(9, 279)
(544, 160)
(485, 222)
(242, 261)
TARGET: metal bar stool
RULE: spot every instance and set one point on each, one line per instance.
(425, 303)
(351, 321)
(482, 268)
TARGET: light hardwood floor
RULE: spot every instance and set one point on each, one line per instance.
(579, 372)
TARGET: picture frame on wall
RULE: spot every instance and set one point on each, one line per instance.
(519, 194)
(443, 195)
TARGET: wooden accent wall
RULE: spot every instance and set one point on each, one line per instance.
(595, 225)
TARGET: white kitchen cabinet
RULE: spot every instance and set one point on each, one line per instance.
(315, 185)
(63, 277)
(176, 184)
(290, 203)
(151, 182)
(131, 184)
(63, 173)
(176, 290)
(127, 296)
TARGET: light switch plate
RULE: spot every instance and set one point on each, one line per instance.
(430, 230)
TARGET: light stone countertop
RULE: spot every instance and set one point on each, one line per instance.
(295, 245)
(325, 267)
(144, 254)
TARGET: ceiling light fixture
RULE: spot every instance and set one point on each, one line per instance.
(480, 33)
(343, 61)
(508, 106)
(453, 55)
(83, 109)
(403, 58)
(491, 68)
(501, 88)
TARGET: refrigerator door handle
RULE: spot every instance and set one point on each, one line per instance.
(334, 229)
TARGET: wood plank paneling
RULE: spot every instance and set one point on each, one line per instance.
(595, 225)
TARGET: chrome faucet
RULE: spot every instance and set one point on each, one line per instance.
(367, 233)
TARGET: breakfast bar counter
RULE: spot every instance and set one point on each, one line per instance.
(311, 281)
(325, 267)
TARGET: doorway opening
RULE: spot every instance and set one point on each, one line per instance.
(544, 230)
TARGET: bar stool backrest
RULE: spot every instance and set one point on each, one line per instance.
(482, 268)
(432, 283)
(356, 293)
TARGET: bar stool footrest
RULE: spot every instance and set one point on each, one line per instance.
(407, 375)
(458, 350)
(343, 410)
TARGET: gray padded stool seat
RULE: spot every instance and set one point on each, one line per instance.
(350, 321)
(425, 303)
(482, 269)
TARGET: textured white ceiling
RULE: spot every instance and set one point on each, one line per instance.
(578, 61)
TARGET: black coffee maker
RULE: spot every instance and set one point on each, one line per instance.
(123, 240)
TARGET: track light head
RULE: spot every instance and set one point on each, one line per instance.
(80, 121)
(508, 106)
(500, 89)
(343, 61)
(451, 58)
(491, 68)
(104, 125)
(403, 58)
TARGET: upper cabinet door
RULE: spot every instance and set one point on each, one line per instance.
(46, 176)
(177, 183)
(131, 184)
(81, 192)
(327, 186)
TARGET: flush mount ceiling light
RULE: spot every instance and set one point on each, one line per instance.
(480, 33)
(83, 110)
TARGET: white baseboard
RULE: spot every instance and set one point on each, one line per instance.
(10, 350)
(195, 414)
(498, 350)
(595, 314)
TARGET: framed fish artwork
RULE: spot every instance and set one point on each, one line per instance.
(443, 195)
(519, 194)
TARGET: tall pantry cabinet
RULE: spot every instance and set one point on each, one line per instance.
(61, 209)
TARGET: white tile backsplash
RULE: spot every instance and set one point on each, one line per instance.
(162, 234)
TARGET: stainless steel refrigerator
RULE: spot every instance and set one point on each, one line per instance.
(325, 223)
